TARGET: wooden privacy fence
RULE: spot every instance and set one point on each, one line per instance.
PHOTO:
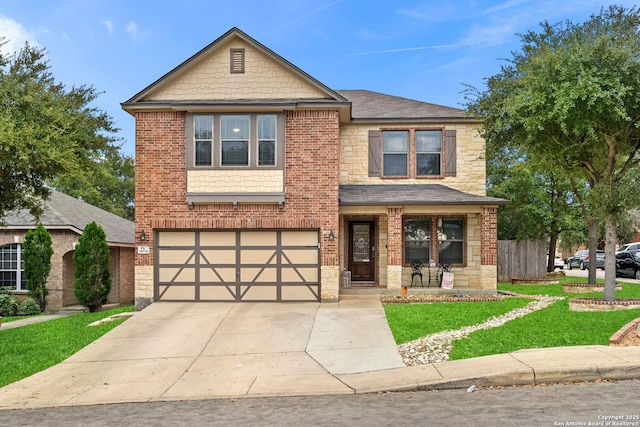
(521, 259)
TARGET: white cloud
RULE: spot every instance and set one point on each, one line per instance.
(15, 35)
(109, 26)
(132, 29)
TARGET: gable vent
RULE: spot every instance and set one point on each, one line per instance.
(237, 60)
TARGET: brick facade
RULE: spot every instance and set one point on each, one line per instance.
(311, 182)
(489, 239)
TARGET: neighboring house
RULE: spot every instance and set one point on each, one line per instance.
(64, 218)
(256, 182)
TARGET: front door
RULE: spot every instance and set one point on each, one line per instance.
(362, 251)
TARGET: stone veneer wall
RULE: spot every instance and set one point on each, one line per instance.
(311, 187)
(471, 163)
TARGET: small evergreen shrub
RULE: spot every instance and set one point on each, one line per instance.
(92, 278)
(8, 305)
(29, 307)
(37, 252)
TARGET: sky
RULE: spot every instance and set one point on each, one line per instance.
(426, 50)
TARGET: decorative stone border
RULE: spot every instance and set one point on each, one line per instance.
(625, 333)
(598, 304)
(415, 299)
(583, 288)
(545, 281)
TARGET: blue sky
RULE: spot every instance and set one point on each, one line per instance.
(420, 49)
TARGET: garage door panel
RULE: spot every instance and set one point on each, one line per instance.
(239, 265)
(172, 256)
(258, 238)
(304, 256)
(259, 293)
(217, 238)
(257, 256)
(177, 275)
(220, 275)
(177, 238)
(178, 293)
(218, 257)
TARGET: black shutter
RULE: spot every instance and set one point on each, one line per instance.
(374, 153)
(450, 144)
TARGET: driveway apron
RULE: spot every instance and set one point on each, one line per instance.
(175, 351)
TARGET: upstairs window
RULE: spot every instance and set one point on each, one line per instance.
(203, 136)
(428, 152)
(235, 140)
(395, 152)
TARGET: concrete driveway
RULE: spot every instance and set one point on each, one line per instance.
(202, 350)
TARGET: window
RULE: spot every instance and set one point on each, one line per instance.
(417, 236)
(12, 267)
(267, 140)
(395, 149)
(235, 140)
(428, 152)
(203, 136)
(451, 241)
(414, 153)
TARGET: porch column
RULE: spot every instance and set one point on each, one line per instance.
(489, 248)
(394, 248)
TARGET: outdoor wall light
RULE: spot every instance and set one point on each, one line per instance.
(143, 236)
(331, 235)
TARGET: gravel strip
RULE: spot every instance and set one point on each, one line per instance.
(435, 348)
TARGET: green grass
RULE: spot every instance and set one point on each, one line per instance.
(554, 326)
(33, 348)
(411, 321)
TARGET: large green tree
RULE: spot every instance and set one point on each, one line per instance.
(109, 184)
(572, 95)
(46, 130)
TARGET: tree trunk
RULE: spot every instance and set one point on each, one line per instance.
(551, 261)
(593, 245)
(610, 226)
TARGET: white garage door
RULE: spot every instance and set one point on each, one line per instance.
(238, 265)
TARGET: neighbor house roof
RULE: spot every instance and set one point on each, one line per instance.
(62, 212)
(377, 107)
(410, 194)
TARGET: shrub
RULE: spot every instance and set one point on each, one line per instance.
(37, 263)
(92, 279)
(8, 305)
(29, 307)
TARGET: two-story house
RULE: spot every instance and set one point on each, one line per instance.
(257, 182)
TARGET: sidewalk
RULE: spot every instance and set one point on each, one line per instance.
(184, 351)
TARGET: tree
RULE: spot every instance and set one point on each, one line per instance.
(109, 185)
(45, 130)
(572, 95)
(92, 278)
(37, 252)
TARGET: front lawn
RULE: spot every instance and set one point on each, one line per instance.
(33, 348)
(553, 326)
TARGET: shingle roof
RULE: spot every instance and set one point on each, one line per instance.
(65, 212)
(410, 194)
(368, 105)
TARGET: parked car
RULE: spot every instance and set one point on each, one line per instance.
(581, 260)
(558, 262)
(628, 264)
(629, 247)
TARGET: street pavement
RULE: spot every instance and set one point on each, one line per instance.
(192, 351)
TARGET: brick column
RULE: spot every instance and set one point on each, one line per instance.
(394, 248)
(489, 237)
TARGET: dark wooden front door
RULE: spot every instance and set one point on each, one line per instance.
(362, 251)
